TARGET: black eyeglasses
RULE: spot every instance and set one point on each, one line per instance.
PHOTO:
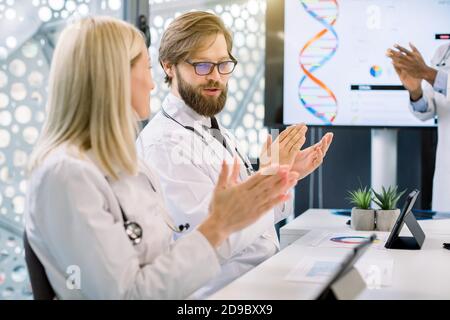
(204, 68)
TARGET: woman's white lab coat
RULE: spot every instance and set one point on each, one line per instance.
(75, 226)
(439, 105)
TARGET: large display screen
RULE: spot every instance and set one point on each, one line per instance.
(336, 71)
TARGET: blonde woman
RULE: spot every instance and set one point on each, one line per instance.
(95, 216)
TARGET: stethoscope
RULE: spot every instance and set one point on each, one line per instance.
(248, 166)
(134, 230)
(444, 59)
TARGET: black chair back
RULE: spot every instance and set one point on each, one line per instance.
(42, 290)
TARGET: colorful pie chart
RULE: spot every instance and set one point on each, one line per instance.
(375, 71)
(349, 239)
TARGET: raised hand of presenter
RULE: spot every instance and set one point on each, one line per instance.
(411, 69)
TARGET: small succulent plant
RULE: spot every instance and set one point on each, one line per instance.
(387, 199)
(361, 198)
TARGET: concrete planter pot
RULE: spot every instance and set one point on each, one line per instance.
(385, 219)
(363, 220)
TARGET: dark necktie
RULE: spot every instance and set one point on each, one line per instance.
(217, 134)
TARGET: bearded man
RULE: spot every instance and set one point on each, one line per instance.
(186, 145)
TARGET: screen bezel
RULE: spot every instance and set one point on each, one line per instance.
(274, 75)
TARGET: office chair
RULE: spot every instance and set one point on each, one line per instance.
(42, 290)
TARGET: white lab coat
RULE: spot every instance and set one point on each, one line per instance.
(188, 167)
(74, 222)
(439, 105)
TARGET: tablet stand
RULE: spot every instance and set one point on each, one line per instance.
(408, 243)
(347, 287)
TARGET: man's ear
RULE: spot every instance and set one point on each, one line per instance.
(168, 69)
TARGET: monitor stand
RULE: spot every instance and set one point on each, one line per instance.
(383, 158)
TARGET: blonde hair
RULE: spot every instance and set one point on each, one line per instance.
(89, 102)
(186, 34)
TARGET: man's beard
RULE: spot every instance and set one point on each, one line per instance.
(203, 105)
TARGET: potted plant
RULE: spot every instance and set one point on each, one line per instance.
(363, 216)
(388, 213)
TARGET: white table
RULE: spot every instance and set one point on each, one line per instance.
(417, 274)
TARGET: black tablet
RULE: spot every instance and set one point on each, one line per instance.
(406, 216)
(345, 267)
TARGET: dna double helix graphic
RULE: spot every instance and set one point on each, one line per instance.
(313, 94)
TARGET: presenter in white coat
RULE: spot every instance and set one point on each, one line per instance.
(95, 214)
(429, 91)
(186, 144)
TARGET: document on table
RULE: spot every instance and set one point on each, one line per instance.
(375, 272)
(314, 269)
(326, 239)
